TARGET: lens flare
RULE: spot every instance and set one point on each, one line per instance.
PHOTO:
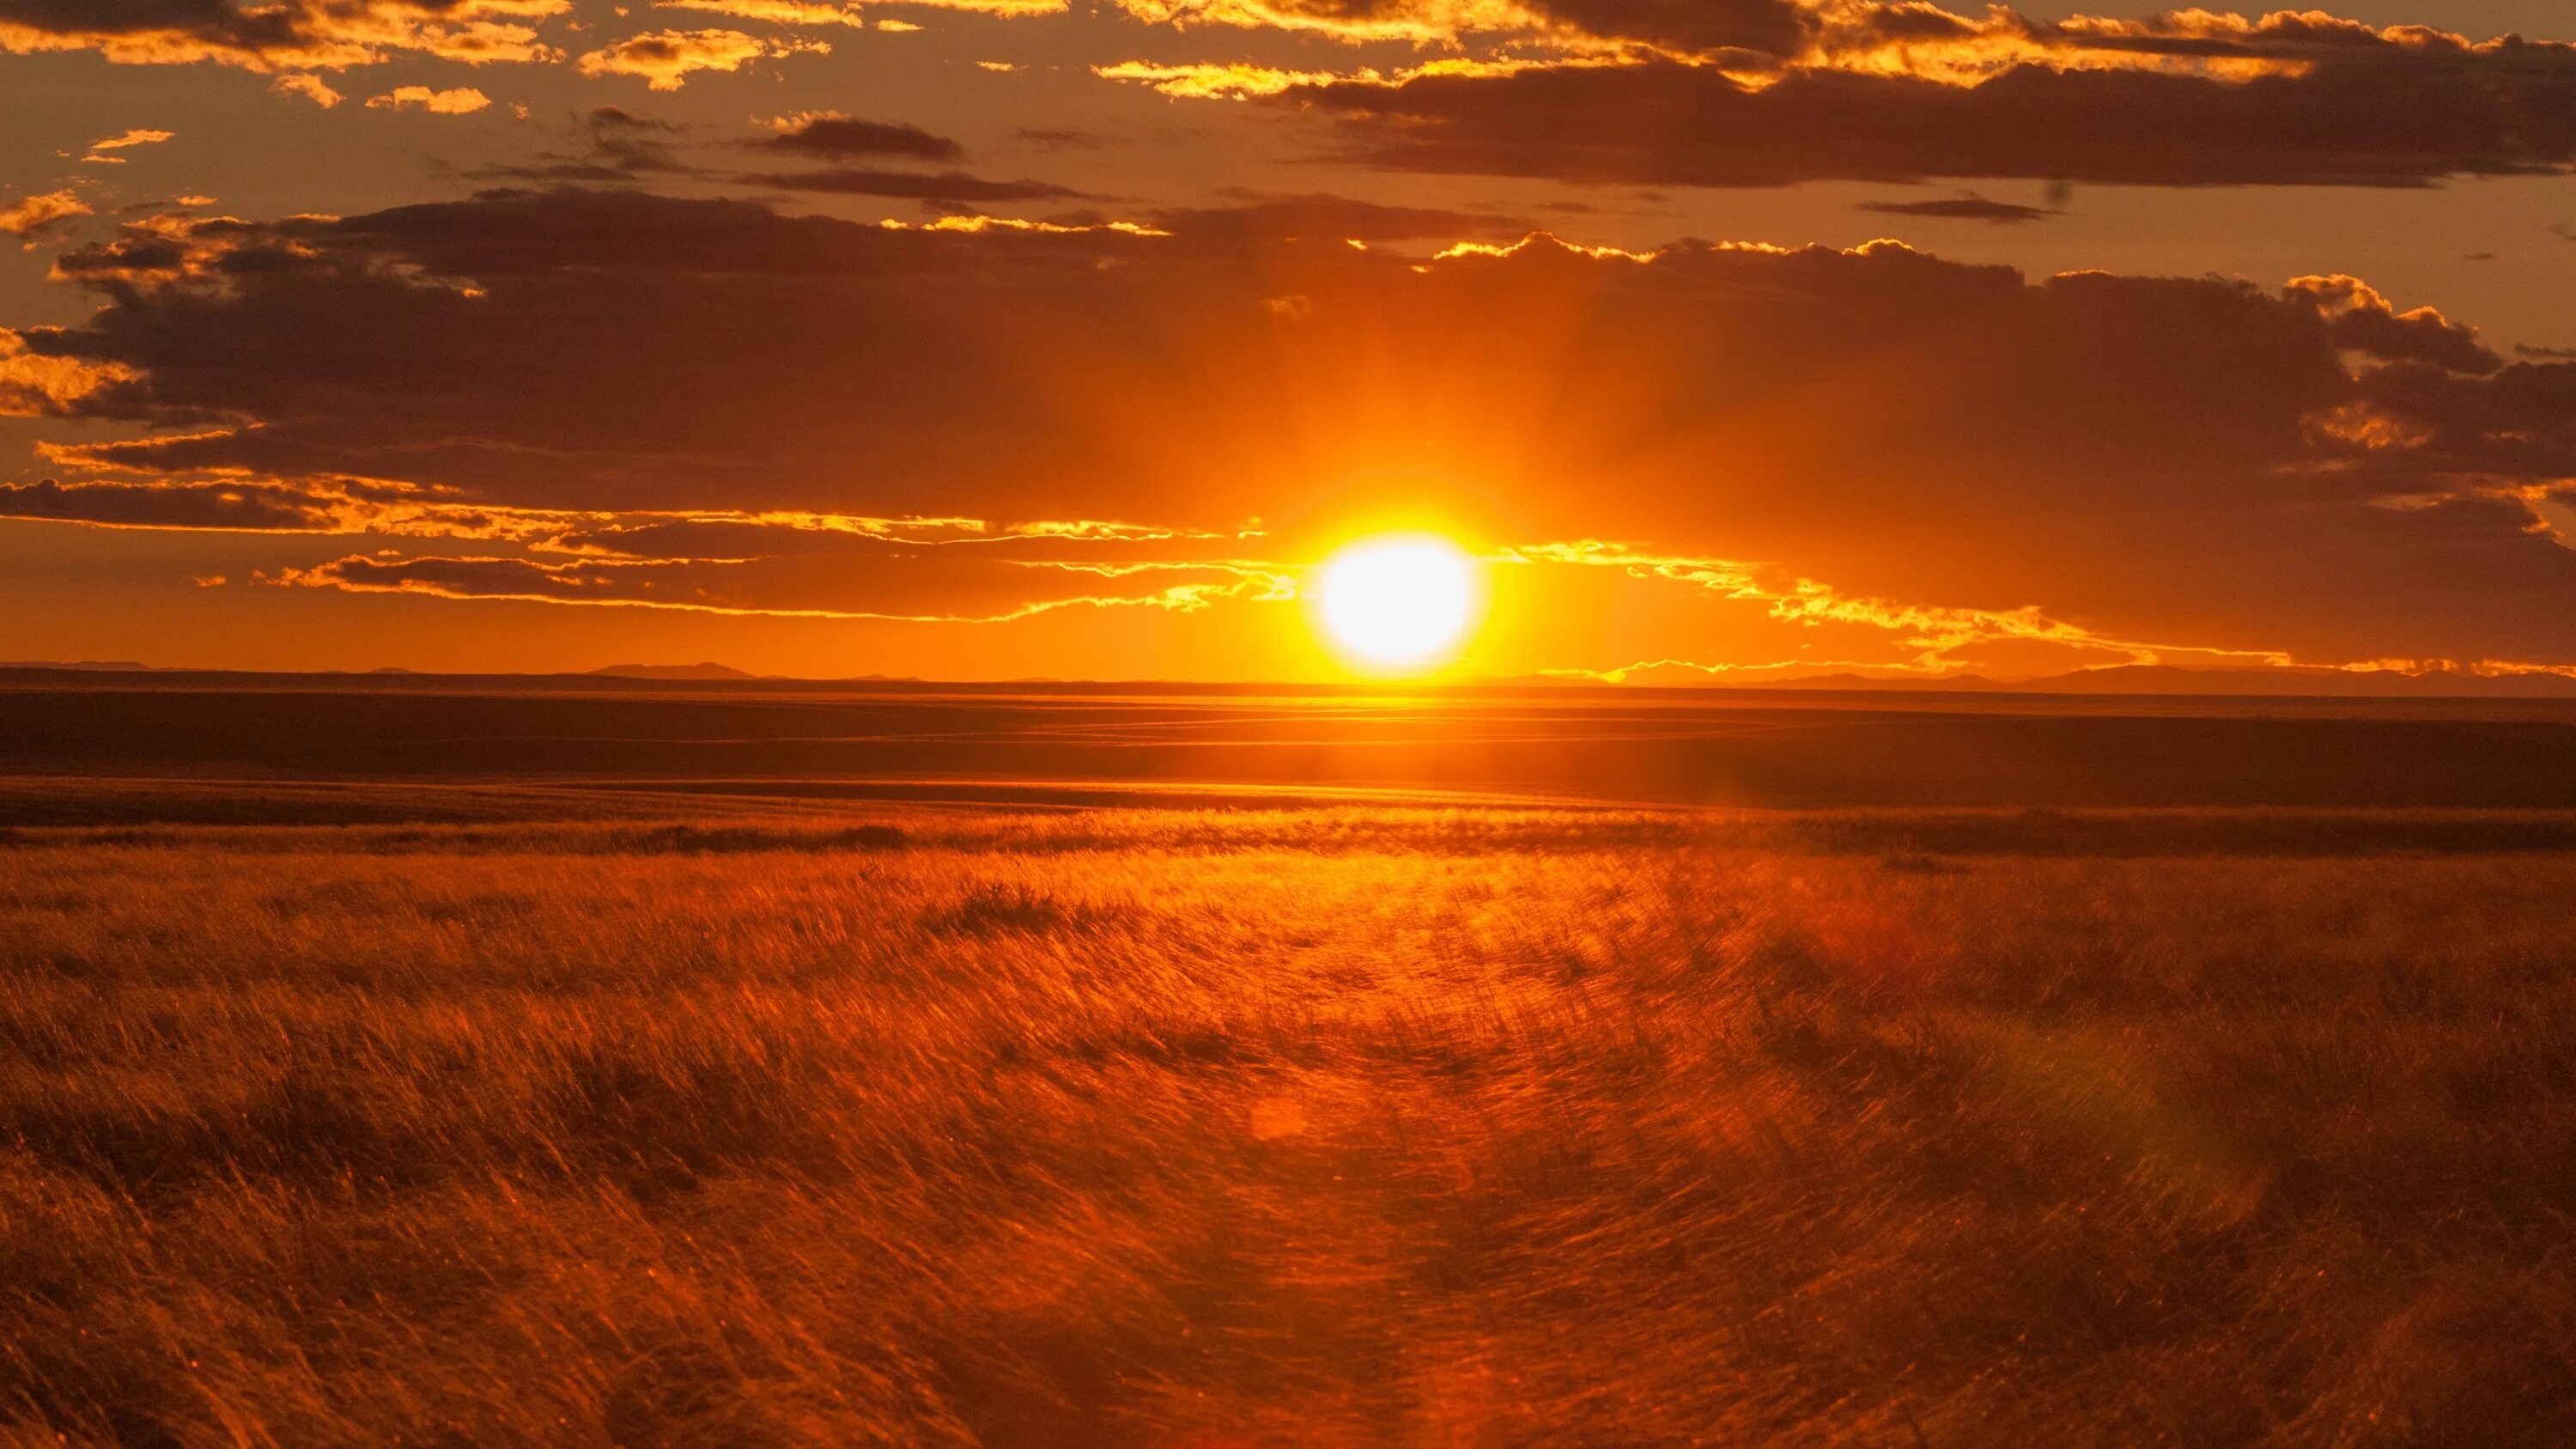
(1397, 602)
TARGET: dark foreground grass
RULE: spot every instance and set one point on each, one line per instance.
(1341, 1129)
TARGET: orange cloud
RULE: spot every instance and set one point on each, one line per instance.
(97, 149)
(1934, 635)
(312, 87)
(808, 12)
(1420, 21)
(1232, 81)
(286, 35)
(33, 217)
(460, 102)
(2081, 462)
(735, 587)
(1773, 92)
(35, 385)
(666, 58)
(1236, 81)
(1565, 27)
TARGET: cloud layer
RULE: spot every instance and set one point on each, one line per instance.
(1771, 93)
(653, 385)
(285, 35)
(2389, 115)
(1096, 360)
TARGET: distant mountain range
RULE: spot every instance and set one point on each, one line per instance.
(702, 670)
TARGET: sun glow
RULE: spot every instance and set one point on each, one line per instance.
(1397, 602)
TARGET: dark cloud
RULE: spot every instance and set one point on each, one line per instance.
(1769, 27)
(2360, 318)
(1701, 28)
(836, 138)
(1971, 207)
(618, 118)
(665, 59)
(2312, 468)
(939, 186)
(948, 587)
(225, 505)
(1320, 215)
(2382, 115)
(2513, 426)
(1061, 138)
(621, 146)
(276, 33)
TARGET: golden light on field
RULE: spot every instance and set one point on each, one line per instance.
(1397, 601)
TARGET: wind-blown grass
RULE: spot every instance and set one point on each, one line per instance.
(1331, 1128)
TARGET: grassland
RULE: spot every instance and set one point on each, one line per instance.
(1323, 1127)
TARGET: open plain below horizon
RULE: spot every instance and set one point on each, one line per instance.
(1707, 747)
(710, 1066)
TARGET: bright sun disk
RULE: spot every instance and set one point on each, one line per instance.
(1397, 601)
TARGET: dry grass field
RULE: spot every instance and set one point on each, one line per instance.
(1312, 1127)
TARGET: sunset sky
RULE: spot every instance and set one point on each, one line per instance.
(1736, 340)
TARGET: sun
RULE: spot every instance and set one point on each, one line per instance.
(1398, 601)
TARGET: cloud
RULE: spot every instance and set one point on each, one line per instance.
(774, 12)
(36, 218)
(809, 12)
(1679, 27)
(1670, 124)
(281, 34)
(258, 507)
(312, 87)
(1767, 95)
(1419, 21)
(2360, 318)
(1932, 636)
(622, 146)
(831, 136)
(666, 58)
(1240, 80)
(351, 505)
(944, 186)
(1262, 217)
(923, 590)
(136, 137)
(2315, 471)
(98, 149)
(931, 570)
(1909, 37)
(37, 385)
(462, 101)
(1970, 207)
(1060, 138)
(1688, 27)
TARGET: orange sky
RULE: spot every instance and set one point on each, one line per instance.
(1739, 339)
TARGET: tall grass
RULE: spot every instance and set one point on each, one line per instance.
(1336, 1129)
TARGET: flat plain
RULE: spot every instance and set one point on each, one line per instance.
(472, 1107)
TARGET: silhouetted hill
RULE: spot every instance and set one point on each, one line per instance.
(702, 670)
